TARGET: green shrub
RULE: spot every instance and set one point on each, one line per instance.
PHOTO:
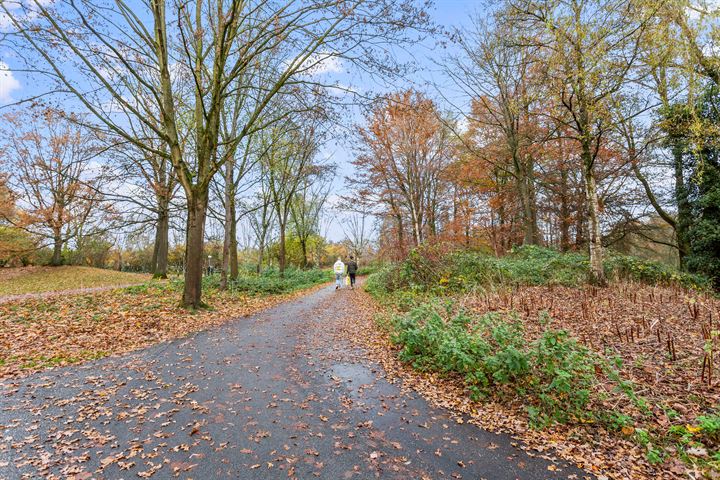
(491, 354)
(384, 281)
(531, 265)
(369, 269)
(710, 427)
(563, 377)
(634, 268)
(485, 351)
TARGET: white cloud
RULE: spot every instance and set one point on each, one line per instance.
(5, 21)
(323, 62)
(21, 10)
(463, 124)
(8, 82)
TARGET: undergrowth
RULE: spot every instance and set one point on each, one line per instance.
(554, 374)
(269, 282)
(430, 269)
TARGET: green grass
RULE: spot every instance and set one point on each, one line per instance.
(16, 281)
(44, 361)
(269, 282)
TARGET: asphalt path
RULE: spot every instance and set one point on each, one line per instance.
(272, 395)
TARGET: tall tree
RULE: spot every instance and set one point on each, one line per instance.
(496, 73)
(703, 161)
(290, 163)
(307, 207)
(262, 216)
(146, 185)
(404, 151)
(356, 226)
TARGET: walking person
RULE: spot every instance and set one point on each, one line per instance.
(352, 268)
(339, 269)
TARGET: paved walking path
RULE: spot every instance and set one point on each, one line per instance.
(273, 395)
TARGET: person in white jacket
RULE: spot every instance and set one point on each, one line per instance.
(339, 269)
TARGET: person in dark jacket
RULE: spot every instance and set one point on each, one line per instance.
(352, 268)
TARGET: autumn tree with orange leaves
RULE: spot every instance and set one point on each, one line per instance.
(403, 154)
(503, 124)
(56, 179)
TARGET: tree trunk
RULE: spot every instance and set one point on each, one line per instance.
(401, 235)
(564, 212)
(194, 249)
(161, 243)
(281, 254)
(417, 226)
(156, 247)
(227, 228)
(261, 253)
(528, 227)
(303, 247)
(234, 268)
(597, 273)
(537, 236)
(57, 259)
(684, 217)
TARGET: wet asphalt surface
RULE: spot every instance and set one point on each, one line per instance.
(273, 395)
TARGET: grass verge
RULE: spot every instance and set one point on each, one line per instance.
(18, 281)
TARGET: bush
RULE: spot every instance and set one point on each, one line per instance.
(270, 282)
(369, 269)
(710, 428)
(492, 356)
(564, 374)
(531, 265)
(429, 269)
(633, 268)
(384, 281)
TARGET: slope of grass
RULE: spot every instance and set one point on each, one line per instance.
(16, 281)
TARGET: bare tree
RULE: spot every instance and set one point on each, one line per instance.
(357, 229)
(307, 207)
(262, 217)
(289, 161)
(497, 75)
